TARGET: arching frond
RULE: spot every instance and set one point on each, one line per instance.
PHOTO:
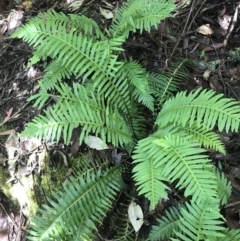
(224, 187)
(148, 176)
(229, 235)
(77, 107)
(81, 206)
(185, 163)
(55, 73)
(121, 90)
(165, 84)
(205, 137)
(140, 14)
(78, 23)
(168, 225)
(138, 78)
(200, 221)
(173, 158)
(83, 55)
(195, 222)
(121, 223)
(204, 107)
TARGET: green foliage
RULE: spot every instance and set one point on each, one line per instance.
(83, 203)
(235, 55)
(164, 85)
(75, 106)
(191, 222)
(142, 15)
(167, 225)
(120, 223)
(203, 107)
(110, 98)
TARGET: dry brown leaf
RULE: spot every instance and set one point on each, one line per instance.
(106, 13)
(7, 133)
(207, 74)
(213, 47)
(8, 115)
(205, 30)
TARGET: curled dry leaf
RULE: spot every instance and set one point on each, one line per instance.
(95, 143)
(106, 13)
(135, 215)
(205, 29)
(207, 74)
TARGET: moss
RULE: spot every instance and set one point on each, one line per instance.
(4, 177)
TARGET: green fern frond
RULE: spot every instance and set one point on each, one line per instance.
(137, 123)
(185, 163)
(128, 86)
(195, 222)
(168, 225)
(204, 107)
(138, 77)
(164, 85)
(224, 187)
(86, 162)
(173, 158)
(84, 56)
(140, 14)
(121, 223)
(37, 56)
(55, 73)
(148, 175)
(77, 107)
(117, 90)
(200, 221)
(229, 235)
(81, 206)
(79, 23)
(205, 137)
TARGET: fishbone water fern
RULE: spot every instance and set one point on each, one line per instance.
(109, 98)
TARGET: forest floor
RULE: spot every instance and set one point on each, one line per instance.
(205, 31)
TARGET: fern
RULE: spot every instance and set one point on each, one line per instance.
(167, 225)
(174, 158)
(81, 206)
(149, 178)
(193, 222)
(229, 235)
(205, 137)
(84, 56)
(202, 106)
(142, 15)
(224, 188)
(200, 222)
(89, 111)
(121, 223)
(112, 100)
(164, 85)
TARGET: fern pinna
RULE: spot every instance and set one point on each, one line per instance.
(109, 99)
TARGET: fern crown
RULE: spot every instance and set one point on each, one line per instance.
(110, 98)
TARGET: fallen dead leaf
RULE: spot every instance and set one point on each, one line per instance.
(205, 29)
(8, 115)
(213, 47)
(106, 13)
(7, 133)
